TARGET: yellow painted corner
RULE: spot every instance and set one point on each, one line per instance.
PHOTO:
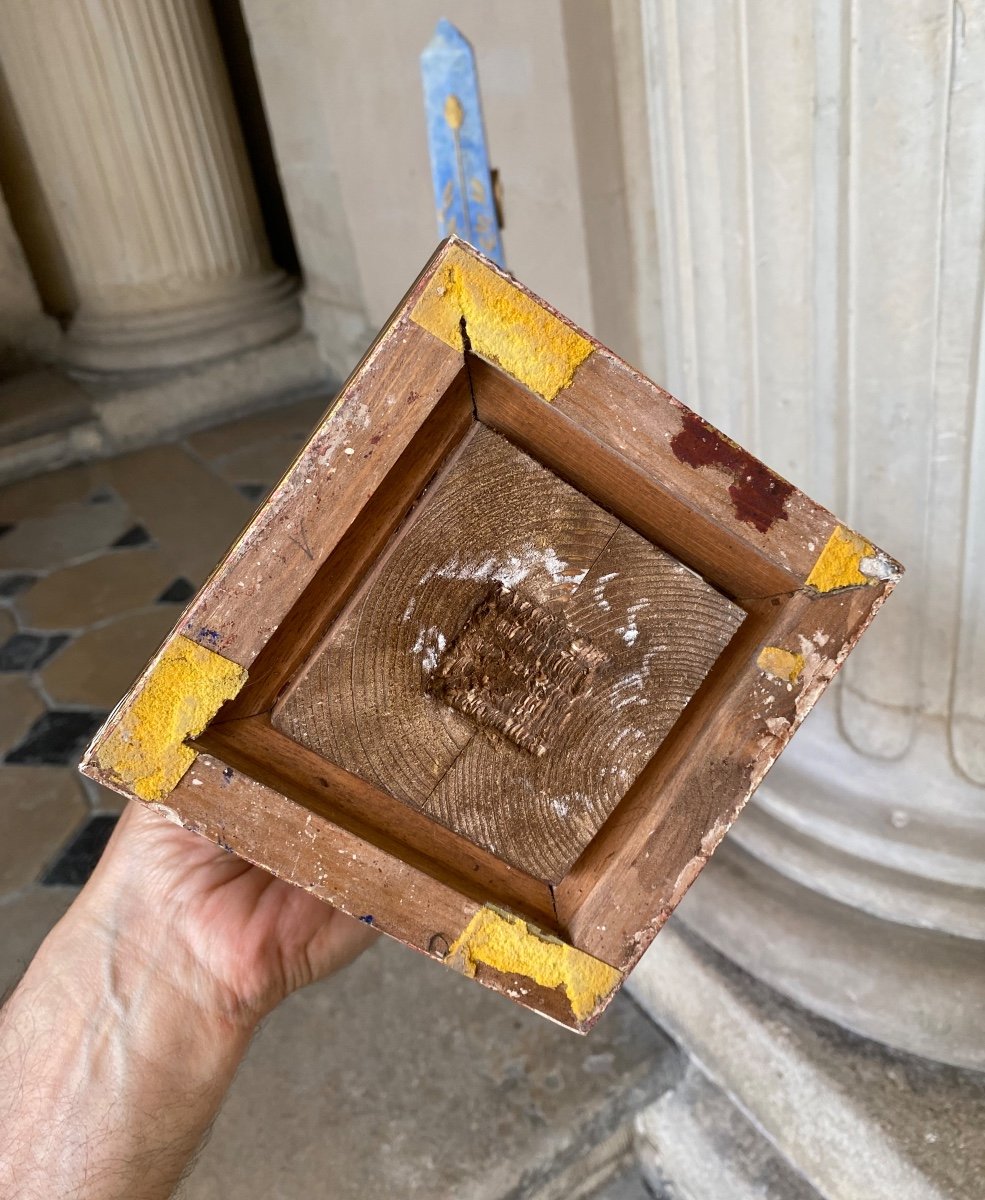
(781, 664)
(503, 324)
(508, 944)
(838, 563)
(182, 692)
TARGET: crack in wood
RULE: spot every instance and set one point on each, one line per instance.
(466, 355)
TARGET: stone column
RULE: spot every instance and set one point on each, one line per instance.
(819, 185)
(128, 117)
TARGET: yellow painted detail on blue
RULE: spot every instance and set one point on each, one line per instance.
(503, 324)
(182, 692)
(460, 174)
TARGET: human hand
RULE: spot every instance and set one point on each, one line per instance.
(229, 929)
(118, 1045)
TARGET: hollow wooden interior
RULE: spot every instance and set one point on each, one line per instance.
(596, 906)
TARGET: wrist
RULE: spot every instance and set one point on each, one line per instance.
(135, 971)
(126, 1066)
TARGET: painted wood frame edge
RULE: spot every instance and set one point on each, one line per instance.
(469, 343)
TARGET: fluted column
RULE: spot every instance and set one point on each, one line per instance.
(129, 120)
(819, 180)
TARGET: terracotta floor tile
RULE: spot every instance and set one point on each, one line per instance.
(264, 463)
(193, 515)
(40, 807)
(26, 651)
(98, 667)
(20, 707)
(48, 493)
(26, 921)
(179, 591)
(43, 543)
(294, 422)
(76, 597)
(14, 583)
(77, 860)
(58, 738)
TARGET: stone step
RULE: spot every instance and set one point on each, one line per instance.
(853, 1118)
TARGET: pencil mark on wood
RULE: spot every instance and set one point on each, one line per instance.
(302, 541)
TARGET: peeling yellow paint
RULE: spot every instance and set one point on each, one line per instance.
(508, 944)
(837, 565)
(781, 664)
(182, 692)
(503, 324)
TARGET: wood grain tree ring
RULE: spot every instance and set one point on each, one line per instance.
(452, 678)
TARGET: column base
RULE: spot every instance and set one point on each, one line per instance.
(918, 990)
(254, 313)
(855, 886)
(843, 1116)
(125, 412)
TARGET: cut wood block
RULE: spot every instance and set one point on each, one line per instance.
(505, 652)
(513, 661)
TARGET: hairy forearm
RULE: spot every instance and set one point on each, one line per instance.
(114, 1059)
(119, 1044)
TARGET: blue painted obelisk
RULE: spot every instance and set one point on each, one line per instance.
(457, 141)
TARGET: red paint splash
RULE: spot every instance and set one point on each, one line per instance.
(757, 494)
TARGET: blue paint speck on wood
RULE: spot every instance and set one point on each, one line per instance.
(457, 141)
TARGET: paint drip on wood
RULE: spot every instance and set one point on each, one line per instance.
(757, 495)
(780, 664)
(839, 563)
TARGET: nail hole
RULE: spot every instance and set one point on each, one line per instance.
(438, 945)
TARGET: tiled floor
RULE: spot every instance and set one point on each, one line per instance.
(393, 1079)
(96, 562)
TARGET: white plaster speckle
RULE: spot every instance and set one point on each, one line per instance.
(168, 814)
(878, 566)
(630, 631)
(511, 571)
(634, 680)
(714, 836)
(429, 645)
